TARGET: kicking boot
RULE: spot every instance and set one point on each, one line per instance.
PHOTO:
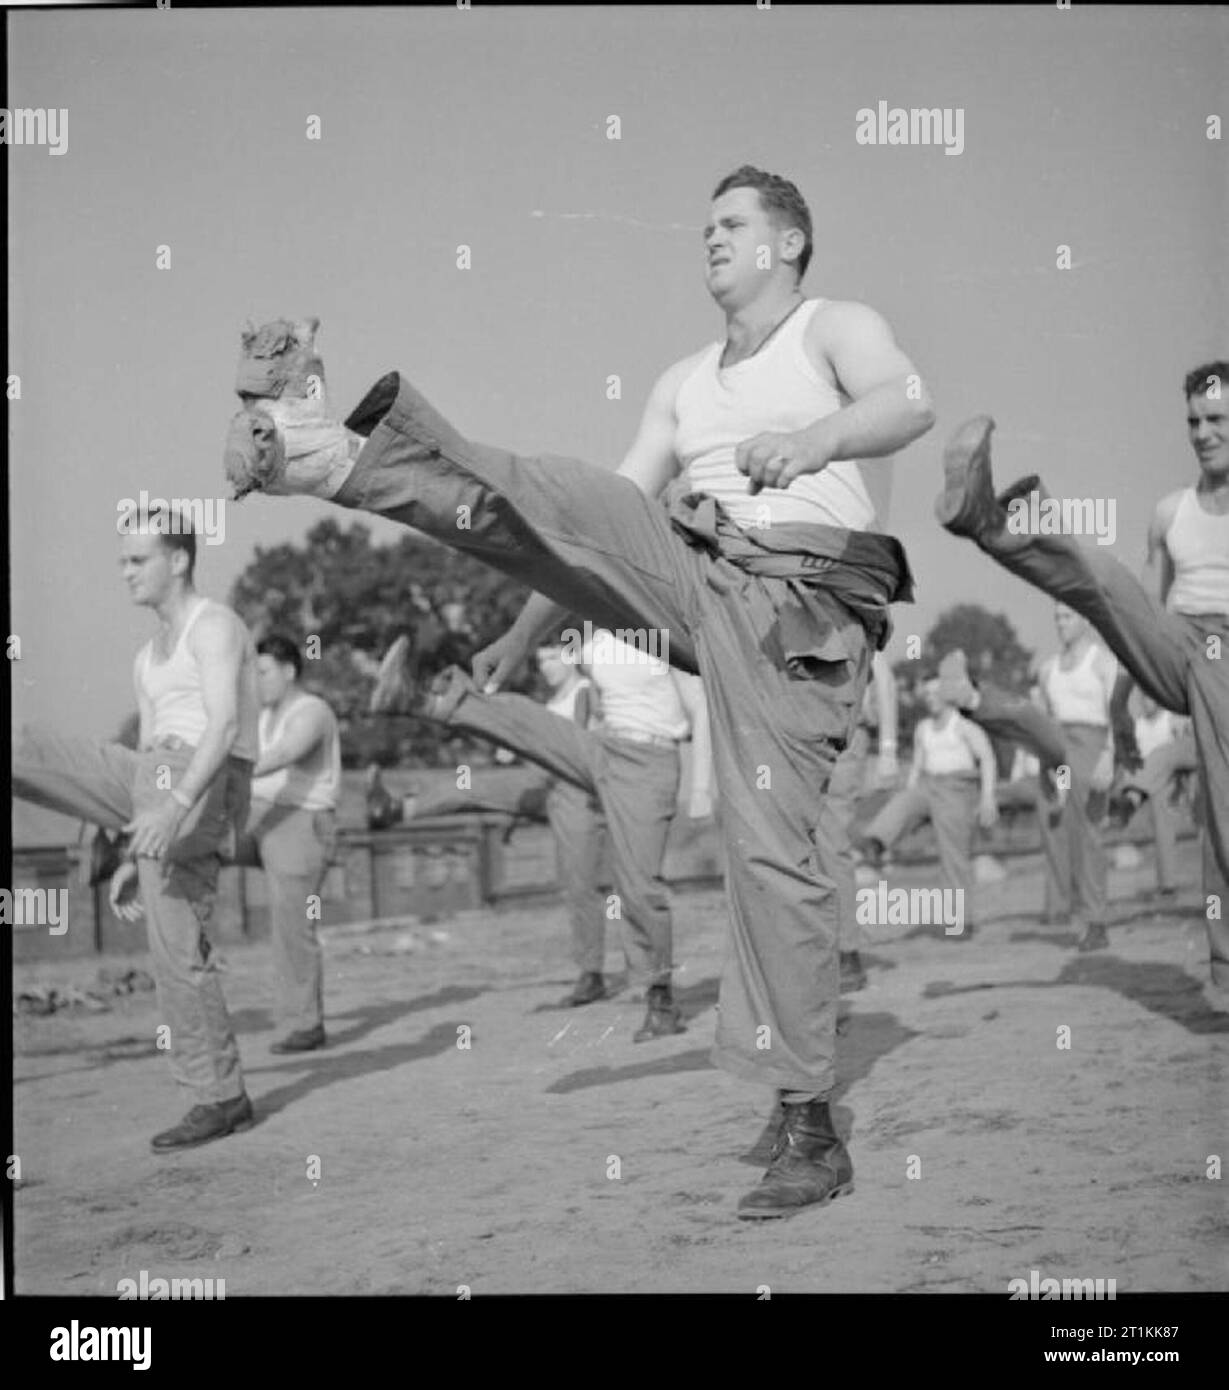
(853, 972)
(809, 1165)
(205, 1122)
(446, 692)
(288, 447)
(1094, 938)
(304, 1040)
(589, 988)
(760, 1153)
(663, 1018)
(967, 505)
(954, 683)
(394, 690)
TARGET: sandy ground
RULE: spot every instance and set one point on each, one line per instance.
(495, 1166)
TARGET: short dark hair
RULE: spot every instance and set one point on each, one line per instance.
(1197, 381)
(171, 527)
(282, 650)
(780, 199)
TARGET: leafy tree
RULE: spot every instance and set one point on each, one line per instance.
(355, 599)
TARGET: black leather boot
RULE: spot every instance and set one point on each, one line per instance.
(810, 1165)
(587, 989)
(304, 1040)
(1094, 938)
(662, 1019)
(760, 1153)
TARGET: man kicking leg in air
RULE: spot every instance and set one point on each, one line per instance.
(1175, 645)
(629, 763)
(761, 570)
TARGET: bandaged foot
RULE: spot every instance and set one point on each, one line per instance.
(286, 440)
(288, 447)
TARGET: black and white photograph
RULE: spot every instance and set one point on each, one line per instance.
(619, 658)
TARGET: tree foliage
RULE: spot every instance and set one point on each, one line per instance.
(355, 598)
(992, 650)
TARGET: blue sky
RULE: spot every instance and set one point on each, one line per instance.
(187, 129)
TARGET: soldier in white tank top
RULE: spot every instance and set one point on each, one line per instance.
(1078, 695)
(174, 694)
(181, 797)
(1198, 545)
(776, 389)
(1171, 640)
(292, 833)
(313, 783)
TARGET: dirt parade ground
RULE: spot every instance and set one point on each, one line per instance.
(553, 1155)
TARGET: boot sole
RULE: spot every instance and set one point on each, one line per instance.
(780, 1213)
(653, 1037)
(958, 462)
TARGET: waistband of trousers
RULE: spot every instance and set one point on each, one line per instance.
(635, 736)
(172, 743)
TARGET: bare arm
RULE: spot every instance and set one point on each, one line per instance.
(915, 768)
(889, 407)
(218, 643)
(1159, 561)
(305, 730)
(983, 750)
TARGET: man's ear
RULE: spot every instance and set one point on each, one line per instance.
(792, 243)
(247, 334)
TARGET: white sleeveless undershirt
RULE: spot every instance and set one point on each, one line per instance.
(1198, 544)
(1155, 731)
(173, 689)
(312, 784)
(1077, 696)
(638, 695)
(564, 704)
(777, 389)
(944, 752)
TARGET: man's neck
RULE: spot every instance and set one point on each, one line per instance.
(1212, 494)
(1077, 646)
(175, 607)
(289, 696)
(745, 327)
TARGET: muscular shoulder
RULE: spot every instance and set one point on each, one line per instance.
(838, 320)
(316, 708)
(219, 629)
